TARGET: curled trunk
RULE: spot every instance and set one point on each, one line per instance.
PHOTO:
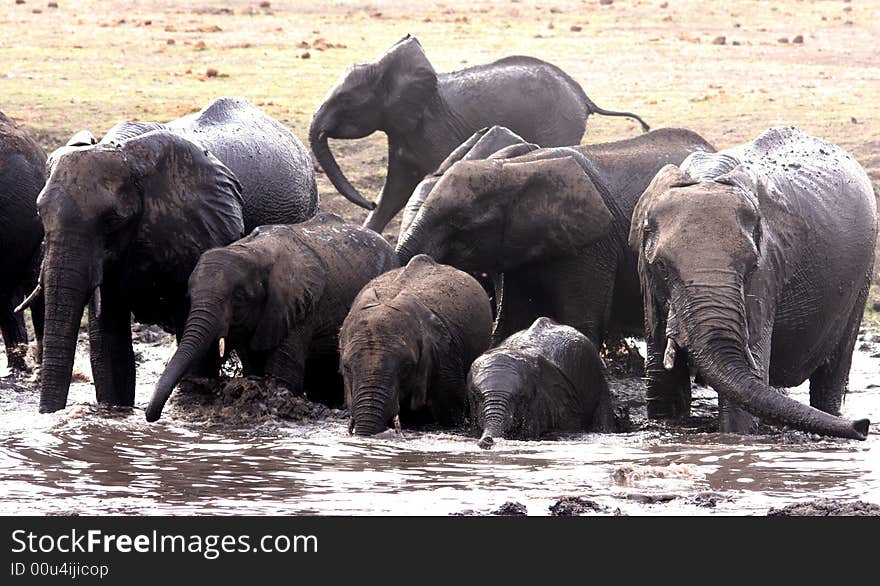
(321, 149)
(200, 333)
(719, 347)
(495, 415)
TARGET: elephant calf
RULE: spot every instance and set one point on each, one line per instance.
(277, 297)
(548, 378)
(407, 344)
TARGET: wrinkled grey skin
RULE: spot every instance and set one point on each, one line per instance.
(551, 226)
(406, 346)
(755, 265)
(278, 298)
(22, 168)
(548, 378)
(127, 219)
(483, 144)
(426, 114)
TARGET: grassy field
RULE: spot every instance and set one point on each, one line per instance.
(725, 69)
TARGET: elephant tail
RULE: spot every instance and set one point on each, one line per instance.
(592, 108)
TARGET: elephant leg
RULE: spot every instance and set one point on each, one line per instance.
(519, 303)
(401, 181)
(14, 336)
(732, 418)
(287, 363)
(578, 297)
(828, 384)
(110, 351)
(668, 391)
(323, 381)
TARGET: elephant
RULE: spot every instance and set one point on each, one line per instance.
(126, 220)
(755, 264)
(277, 297)
(426, 114)
(551, 226)
(548, 378)
(407, 344)
(22, 168)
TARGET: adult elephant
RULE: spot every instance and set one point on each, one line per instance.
(127, 219)
(755, 264)
(426, 115)
(22, 175)
(278, 298)
(551, 226)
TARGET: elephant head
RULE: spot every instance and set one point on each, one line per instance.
(385, 358)
(495, 215)
(708, 263)
(388, 94)
(246, 292)
(157, 200)
(500, 394)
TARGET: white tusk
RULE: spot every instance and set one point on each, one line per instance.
(38, 290)
(96, 297)
(751, 357)
(222, 347)
(669, 355)
(397, 427)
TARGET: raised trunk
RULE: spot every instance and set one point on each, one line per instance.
(202, 329)
(720, 351)
(321, 149)
(369, 411)
(67, 286)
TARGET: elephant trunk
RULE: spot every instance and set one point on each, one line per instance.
(496, 418)
(370, 411)
(714, 323)
(321, 149)
(202, 329)
(419, 240)
(68, 283)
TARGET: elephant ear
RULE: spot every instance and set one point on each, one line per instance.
(293, 288)
(555, 207)
(666, 178)
(191, 201)
(409, 80)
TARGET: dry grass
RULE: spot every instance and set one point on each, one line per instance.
(89, 64)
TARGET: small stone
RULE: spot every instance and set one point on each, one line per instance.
(664, 5)
(211, 72)
(799, 39)
(572, 506)
(511, 509)
(720, 41)
(265, 5)
(606, 2)
(736, 43)
(783, 40)
(876, 306)
(52, 5)
(305, 55)
(19, 1)
(200, 46)
(169, 42)
(576, 29)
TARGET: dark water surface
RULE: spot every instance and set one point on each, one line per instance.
(93, 460)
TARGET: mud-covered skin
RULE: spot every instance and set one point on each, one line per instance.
(551, 226)
(278, 297)
(755, 264)
(22, 168)
(127, 219)
(426, 114)
(407, 344)
(548, 378)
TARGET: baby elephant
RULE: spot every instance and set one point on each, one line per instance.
(548, 378)
(407, 344)
(277, 297)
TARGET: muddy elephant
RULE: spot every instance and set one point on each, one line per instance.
(22, 175)
(126, 220)
(278, 298)
(406, 346)
(755, 264)
(551, 226)
(426, 114)
(546, 379)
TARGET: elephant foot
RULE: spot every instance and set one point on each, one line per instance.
(16, 359)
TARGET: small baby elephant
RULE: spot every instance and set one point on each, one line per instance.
(277, 297)
(407, 343)
(548, 378)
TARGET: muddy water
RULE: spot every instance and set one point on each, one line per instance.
(92, 460)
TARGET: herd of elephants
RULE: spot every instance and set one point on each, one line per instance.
(747, 267)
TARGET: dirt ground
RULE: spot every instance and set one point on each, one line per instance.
(725, 69)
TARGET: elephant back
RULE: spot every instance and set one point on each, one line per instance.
(272, 165)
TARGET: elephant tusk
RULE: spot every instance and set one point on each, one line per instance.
(322, 136)
(669, 354)
(397, 428)
(751, 358)
(96, 298)
(222, 347)
(38, 290)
